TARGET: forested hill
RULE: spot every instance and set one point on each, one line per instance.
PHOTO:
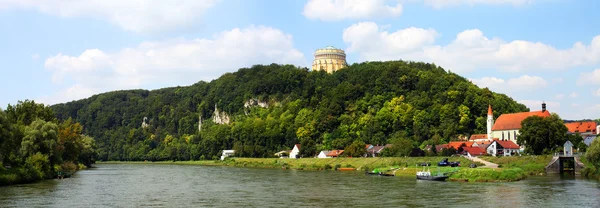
(408, 103)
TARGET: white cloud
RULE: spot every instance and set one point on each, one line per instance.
(468, 51)
(559, 96)
(573, 95)
(173, 62)
(332, 10)
(445, 3)
(131, 15)
(597, 93)
(557, 80)
(74, 92)
(523, 83)
(589, 77)
(384, 45)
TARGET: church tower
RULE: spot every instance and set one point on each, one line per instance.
(490, 122)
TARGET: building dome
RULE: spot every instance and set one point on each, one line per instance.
(329, 59)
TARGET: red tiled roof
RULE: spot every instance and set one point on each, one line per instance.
(513, 120)
(335, 153)
(474, 150)
(456, 145)
(507, 144)
(581, 126)
(297, 145)
(469, 144)
(478, 136)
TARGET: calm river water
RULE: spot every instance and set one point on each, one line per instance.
(161, 185)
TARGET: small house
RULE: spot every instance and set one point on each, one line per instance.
(589, 139)
(323, 154)
(227, 153)
(473, 151)
(295, 153)
(568, 148)
(376, 150)
(335, 153)
(503, 147)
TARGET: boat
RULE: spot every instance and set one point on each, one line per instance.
(426, 175)
(378, 173)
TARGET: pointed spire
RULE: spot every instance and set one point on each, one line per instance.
(490, 110)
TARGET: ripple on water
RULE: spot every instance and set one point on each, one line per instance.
(151, 185)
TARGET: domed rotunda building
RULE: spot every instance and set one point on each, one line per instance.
(329, 59)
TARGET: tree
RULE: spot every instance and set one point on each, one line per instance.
(542, 134)
(356, 149)
(593, 153)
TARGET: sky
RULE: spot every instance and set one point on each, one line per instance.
(55, 51)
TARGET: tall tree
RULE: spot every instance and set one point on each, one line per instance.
(542, 134)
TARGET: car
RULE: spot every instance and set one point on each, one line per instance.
(445, 162)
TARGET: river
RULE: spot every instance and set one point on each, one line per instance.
(164, 185)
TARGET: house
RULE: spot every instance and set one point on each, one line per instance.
(483, 144)
(473, 151)
(295, 153)
(478, 137)
(507, 126)
(323, 154)
(583, 128)
(376, 150)
(227, 153)
(335, 153)
(589, 139)
(502, 147)
(568, 148)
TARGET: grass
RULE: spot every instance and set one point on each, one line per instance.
(510, 168)
(531, 164)
(488, 175)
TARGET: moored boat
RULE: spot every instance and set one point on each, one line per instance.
(426, 175)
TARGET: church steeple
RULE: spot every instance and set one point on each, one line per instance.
(490, 122)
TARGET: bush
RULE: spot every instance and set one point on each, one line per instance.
(327, 167)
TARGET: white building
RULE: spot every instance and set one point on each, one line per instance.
(295, 153)
(507, 126)
(505, 148)
(227, 153)
(323, 154)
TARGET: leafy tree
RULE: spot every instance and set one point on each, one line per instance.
(356, 149)
(593, 153)
(542, 134)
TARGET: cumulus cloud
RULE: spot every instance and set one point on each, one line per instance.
(384, 45)
(445, 3)
(574, 95)
(332, 10)
(131, 15)
(523, 83)
(468, 51)
(172, 62)
(592, 77)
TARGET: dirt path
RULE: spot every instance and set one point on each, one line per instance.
(487, 164)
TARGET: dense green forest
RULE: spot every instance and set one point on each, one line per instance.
(411, 104)
(35, 146)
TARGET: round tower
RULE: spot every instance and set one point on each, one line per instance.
(490, 122)
(329, 59)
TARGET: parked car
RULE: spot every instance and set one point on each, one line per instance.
(445, 162)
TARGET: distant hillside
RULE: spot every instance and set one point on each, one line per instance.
(272, 107)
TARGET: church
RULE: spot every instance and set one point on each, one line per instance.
(507, 126)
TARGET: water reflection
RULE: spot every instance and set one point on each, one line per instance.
(134, 185)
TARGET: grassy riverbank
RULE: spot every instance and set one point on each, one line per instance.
(531, 164)
(20, 175)
(511, 168)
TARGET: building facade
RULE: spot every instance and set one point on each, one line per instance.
(329, 59)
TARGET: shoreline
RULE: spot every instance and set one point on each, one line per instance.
(403, 166)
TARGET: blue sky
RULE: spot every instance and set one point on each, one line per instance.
(532, 50)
